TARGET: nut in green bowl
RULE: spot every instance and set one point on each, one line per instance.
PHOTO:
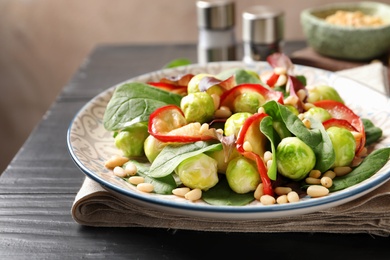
(348, 41)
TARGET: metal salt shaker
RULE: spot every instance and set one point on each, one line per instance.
(216, 20)
(263, 29)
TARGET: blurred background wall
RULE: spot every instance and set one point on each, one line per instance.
(43, 42)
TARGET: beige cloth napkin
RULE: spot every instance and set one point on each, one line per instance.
(95, 206)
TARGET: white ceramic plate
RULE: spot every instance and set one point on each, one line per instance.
(90, 145)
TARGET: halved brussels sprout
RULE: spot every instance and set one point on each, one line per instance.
(248, 102)
(344, 145)
(318, 113)
(131, 140)
(199, 171)
(152, 147)
(198, 107)
(234, 123)
(242, 175)
(193, 85)
(222, 161)
(323, 93)
(294, 158)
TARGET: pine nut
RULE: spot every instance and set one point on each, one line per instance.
(259, 191)
(260, 110)
(119, 171)
(115, 160)
(282, 190)
(326, 182)
(282, 199)
(247, 146)
(280, 71)
(267, 200)
(291, 100)
(204, 128)
(220, 113)
(181, 192)
(193, 195)
(145, 187)
(292, 197)
(267, 156)
(342, 170)
(301, 94)
(315, 174)
(307, 106)
(281, 80)
(130, 169)
(219, 130)
(136, 180)
(317, 191)
(311, 180)
(329, 174)
(269, 164)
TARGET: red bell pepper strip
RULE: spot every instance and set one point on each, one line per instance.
(339, 123)
(252, 123)
(227, 98)
(170, 87)
(168, 124)
(340, 111)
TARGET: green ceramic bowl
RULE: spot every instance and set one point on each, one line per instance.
(349, 43)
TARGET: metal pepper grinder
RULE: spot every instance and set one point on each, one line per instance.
(263, 29)
(216, 20)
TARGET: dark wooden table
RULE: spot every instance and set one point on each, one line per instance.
(39, 187)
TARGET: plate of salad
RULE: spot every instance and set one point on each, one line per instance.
(231, 141)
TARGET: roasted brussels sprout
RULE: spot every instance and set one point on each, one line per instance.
(222, 161)
(294, 158)
(344, 145)
(131, 140)
(323, 93)
(199, 171)
(242, 175)
(152, 147)
(248, 102)
(234, 123)
(318, 113)
(193, 85)
(198, 107)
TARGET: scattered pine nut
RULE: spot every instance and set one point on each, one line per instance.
(330, 174)
(292, 197)
(119, 171)
(136, 180)
(267, 200)
(259, 191)
(311, 180)
(130, 169)
(193, 195)
(282, 199)
(342, 170)
(282, 190)
(145, 187)
(317, 191)
(326, 182)
(315, 174)
(115, 160)
(247, 146)
(181, 192)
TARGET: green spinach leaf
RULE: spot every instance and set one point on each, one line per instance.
(266, 127)
(316, 138)
(163, 185)
(222, 195)
(373, 133)
(172, 155)
(133, 103)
